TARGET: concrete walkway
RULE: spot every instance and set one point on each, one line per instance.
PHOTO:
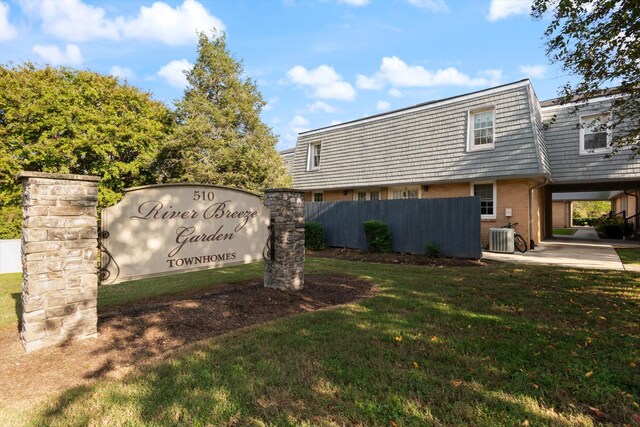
(582, 250)
(586, 233)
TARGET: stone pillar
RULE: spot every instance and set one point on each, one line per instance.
(286, 268)
(59, 258)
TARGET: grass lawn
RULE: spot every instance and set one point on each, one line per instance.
(629, 256)
(564, 231)
(10, 289)
(501, 345)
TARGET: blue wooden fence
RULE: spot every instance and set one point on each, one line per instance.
(453, 224)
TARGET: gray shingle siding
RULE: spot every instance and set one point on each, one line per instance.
(539, 133)
(563, 144)
(425, 145)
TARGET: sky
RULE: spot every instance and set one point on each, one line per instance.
(316, 62)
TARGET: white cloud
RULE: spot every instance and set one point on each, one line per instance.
(320, 106)
(321, 76)
(173, 72)
(338, 90)
(500, 9)
(327, 84)
(494, 76)
(534, 71)
(122, 73)
(52, 54)
(334, 122)
(371, 83)
(431, 5)
(396, 93)
(383, 105)
(73, 20)
(271, 103)
(354, 2)
(299, 124)
(168, 25)
(398, 73)
(7, 31)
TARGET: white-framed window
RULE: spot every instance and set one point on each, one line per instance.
(362, 195)
(317, 196)
(595, 133)
(313, 158)
(409, 192)
(487, 193)
(481, 129)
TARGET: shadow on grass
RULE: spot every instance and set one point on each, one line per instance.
(428, 349)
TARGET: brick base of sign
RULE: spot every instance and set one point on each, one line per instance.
(286, 268)
(59, 258)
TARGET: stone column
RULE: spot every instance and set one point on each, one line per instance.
(286, 268)
(59, 258)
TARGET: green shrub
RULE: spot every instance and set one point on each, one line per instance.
(585, 222)
(10, 222)
(614, 228)
(378, 235)
(432, 249)
(313, 236)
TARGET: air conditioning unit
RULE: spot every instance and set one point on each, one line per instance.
(501, 240)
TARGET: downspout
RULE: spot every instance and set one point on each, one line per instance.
(546, 181)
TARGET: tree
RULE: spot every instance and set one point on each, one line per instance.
(599, 42)
(220, 138)
(591, 208)
(68, 121)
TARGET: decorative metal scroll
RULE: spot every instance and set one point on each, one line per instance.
(106, 259)
(269, 252)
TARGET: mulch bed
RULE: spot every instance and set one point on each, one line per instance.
(151, 330)
(396, 258)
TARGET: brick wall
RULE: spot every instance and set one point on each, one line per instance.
(562, 213)
(625, 202)
(461, 189)
(338, 195)
(331, 195)
(515, 195)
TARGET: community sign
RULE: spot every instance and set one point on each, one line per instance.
(166, 229)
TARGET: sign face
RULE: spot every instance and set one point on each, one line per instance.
(165, 229)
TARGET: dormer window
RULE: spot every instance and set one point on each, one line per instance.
(313, 161)
(595, 134)
(481, 130)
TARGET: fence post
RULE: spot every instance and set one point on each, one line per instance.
(59, 258)
(285, 269)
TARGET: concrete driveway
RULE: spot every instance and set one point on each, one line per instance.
(583, 250)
